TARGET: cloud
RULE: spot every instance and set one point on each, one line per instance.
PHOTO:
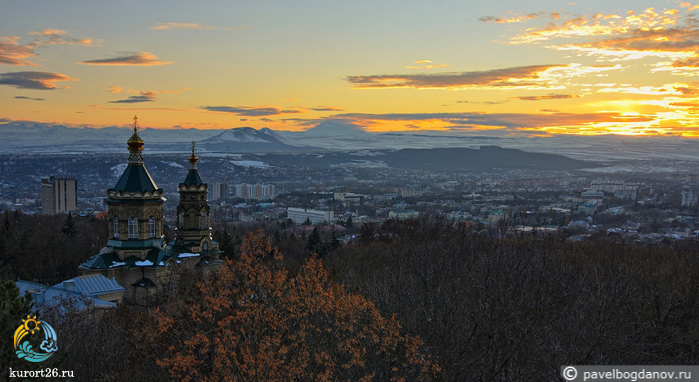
(422, 62)
(192, 26)
(34, 80)
(687, 90)
(30, 98)
(485, 102)
(429, 66)
(646, 90)
(327, 108)
(12, 53)
(250, 111)
(668, 34)
(521, 76)
(244, 28)
(170, 26)
(135, 59)
(143, 96)
(182, 90)
(521, 18)
(547, 97)
(507, 120)
(115, 89)
(48, 37)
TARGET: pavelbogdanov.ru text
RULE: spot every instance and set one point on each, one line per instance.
(633, 376)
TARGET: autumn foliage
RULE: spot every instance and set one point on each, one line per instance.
(256, 320)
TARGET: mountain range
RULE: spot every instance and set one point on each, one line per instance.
(340, 136)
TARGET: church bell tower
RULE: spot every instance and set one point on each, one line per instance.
(135, 207)
(193, 231)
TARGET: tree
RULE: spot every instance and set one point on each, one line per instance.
(255, 321)
(349, 223)
(70, 229)
(13, 309)
(314, 242)
(226, 243)
(334, 243)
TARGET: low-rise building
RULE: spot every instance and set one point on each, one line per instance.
(403, 214)
(300, 215)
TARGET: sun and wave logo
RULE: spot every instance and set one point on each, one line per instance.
(24, 349)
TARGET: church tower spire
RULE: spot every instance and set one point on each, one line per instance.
(193, 224)
(193, 159)
(135, 145)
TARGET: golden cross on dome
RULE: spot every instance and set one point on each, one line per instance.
(135, 121)
(192, 147)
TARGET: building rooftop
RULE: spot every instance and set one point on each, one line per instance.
(92, 285)
(135, 179)
(59, 298)
(193, 179)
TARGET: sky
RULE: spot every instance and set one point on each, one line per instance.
(502, 68)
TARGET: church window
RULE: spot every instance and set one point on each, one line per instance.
(181, 220)
(205, 247)
(133, 228)
(204, 224)
(151, 226)
(116, 228)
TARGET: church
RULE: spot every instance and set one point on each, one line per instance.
(136, 255)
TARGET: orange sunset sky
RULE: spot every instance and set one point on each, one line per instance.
(502, 68)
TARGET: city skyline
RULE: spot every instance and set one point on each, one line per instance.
(532, 68)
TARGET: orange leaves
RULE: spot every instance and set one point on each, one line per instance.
(256, 321)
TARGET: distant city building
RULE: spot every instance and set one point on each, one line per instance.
(59, 195)
(348, 197)
(593, 194)
(459, 216)
(612, 186)
(219, 191)
(496, 216)
(411, 192)
(403, 214)
(255, 191)
(588, 208)
(626, 194)
(300, 215)
(688, 198)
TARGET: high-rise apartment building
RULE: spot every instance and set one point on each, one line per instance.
(219, 191)
(255, 191)
(59, 195)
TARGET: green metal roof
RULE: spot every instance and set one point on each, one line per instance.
(156, 258)
(193, 179)
(175, 250)
(135, 179)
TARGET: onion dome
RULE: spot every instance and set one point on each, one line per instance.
(135, 143)
(193, 178)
